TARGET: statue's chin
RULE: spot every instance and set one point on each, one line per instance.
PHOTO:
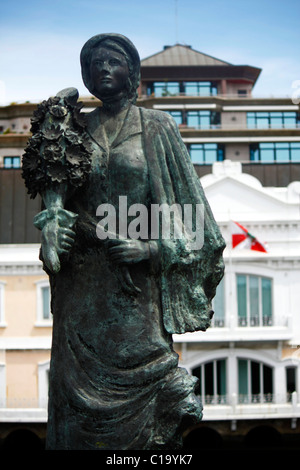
(206, 318)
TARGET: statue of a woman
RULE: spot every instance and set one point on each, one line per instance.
(114, 377)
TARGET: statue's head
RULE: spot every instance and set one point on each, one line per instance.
(122, 52)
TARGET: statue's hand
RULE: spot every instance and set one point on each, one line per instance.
(57, 235)
(128, 251)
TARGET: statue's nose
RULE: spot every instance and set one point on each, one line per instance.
(105, 67)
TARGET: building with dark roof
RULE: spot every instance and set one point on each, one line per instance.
(246, 151)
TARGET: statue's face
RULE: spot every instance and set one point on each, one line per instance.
(109, 72)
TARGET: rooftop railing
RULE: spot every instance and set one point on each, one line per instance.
(238, 126)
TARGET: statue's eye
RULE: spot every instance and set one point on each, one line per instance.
(114, 62)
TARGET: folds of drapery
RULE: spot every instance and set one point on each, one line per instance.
(189, 276)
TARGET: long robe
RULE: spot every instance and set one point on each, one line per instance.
(114, 376)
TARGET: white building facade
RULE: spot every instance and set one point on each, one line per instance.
(248, 362)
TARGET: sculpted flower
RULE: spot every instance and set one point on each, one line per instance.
(30, 161)
(76, 176)
(38, 114)
(39, 176)
(35, 141)
(52, 133)
(57, 172)
(73, 137)
(52, 101)
(74, 155)
(53, 151)
(58, 111)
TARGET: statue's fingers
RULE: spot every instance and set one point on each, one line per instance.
(116, 249)
(51, 259)
(67, 239)
(66, 231)
(129, 281)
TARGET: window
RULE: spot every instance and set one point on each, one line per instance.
(254, 300)
(164, 89)
(212, 381)
(273, 120)
(255, 382)
(280, 152)
(43, 383)
(2, 284)
(2, 385)
(46, 302)
(206, 153)
(218, 306)
(199, 119)
(12, 162)
(44, 316)
(202, 119)
(200, 89)
(242, 93)
(291, 375)
(182, 88)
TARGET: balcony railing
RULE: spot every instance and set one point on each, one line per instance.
(256, 321)
(250, 399)
(23, 403)
(216, 407)
(215, 399)
(236, 127)
(256, 398)
(210, 95)
(226, 399)
(252, 321)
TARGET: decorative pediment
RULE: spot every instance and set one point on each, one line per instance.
(239, 196)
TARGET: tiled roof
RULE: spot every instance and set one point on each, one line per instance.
(180, 55)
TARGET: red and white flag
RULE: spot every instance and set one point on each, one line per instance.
(243, 239)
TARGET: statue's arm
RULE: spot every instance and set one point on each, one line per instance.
(58, 132)
(56, 225)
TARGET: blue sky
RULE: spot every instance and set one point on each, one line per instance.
(41, 40)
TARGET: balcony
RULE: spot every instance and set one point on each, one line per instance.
(216, 407)
(242, 329)
(236, 407)
(23, 410)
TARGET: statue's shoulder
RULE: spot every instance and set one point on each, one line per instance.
(157, 116)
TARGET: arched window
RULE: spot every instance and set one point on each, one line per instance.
(212, 381)
(291, 381)
(255, 382)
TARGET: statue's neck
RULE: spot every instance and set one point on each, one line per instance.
(115, 104)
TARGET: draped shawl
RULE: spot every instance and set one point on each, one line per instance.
(189, 277)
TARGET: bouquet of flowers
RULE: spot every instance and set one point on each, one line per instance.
(58, 153)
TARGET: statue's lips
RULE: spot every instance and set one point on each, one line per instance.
(106, 80)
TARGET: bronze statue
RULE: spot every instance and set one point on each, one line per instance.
(115, 383)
